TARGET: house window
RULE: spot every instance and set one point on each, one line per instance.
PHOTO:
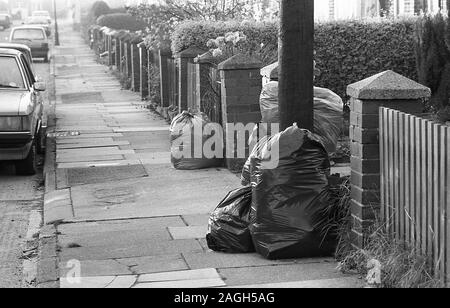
(420, 5)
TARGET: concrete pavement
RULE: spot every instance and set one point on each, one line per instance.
(116, 211)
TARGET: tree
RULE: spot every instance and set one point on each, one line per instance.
(4, 6)
(98, 9)
(162, 19)
(296, 59)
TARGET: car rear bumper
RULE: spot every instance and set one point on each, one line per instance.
(39, 52)
(15, 146)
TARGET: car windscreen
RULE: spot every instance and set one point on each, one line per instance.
(28, 34)
(10, 74)
(37, 21)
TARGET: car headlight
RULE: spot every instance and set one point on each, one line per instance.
(10, 124)
(15, 124)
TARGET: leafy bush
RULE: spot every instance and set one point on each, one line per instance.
(121, 21)
(262, 37)
(89, 19)
(346, 51)
(99, 8)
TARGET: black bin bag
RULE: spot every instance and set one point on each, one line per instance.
(188, 136)
(228, 229)
(290, 196)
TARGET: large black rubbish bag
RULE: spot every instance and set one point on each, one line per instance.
(228, 229)
(290, 196)
(328, 113)
(188, 137)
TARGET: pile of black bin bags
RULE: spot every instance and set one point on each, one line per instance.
(278, 211)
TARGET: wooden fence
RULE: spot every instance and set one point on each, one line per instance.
(415, 184)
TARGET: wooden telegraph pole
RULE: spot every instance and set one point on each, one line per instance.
(296, 56)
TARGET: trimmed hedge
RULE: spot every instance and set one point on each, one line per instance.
(121, 21)
(346, 51)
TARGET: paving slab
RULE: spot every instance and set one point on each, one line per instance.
(155, 264)
(207, 273)
(338, 283)
(90, 159)
(83, 176)
(280, 273)
(102, 282)
(97, 144)
(99, 164)
(222, 260)
(97, 268)
(144, 225)
(188, 284)
(113, 238)
(130, 250)
(182, 233)
(197, 220)
(85, 98)
(153, 196)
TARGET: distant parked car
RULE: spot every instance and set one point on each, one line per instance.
(34, 37)
(22, 134)
(5, 21)
(44, 14)
(40, 22)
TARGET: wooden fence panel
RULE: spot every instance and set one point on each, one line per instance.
(415, 184)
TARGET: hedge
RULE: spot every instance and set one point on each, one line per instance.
(121, 21)
(346, 51)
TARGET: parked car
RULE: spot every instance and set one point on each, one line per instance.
(23, 49)
(22, 133)
(44, 14)
(40, 22)
(5, 21)
(34, 37)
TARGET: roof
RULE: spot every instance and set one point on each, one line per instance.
(28, 27)
(9, 52)
(14, 46)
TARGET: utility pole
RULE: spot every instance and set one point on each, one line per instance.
(56, 24)
(296, 57)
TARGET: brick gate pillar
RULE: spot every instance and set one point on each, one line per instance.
(387, 89)
(241, 84)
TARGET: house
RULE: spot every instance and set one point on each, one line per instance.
(355, 9)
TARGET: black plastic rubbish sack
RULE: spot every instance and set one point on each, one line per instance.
(328, 113)
(228, 229)
(290, 196)
(188, 137)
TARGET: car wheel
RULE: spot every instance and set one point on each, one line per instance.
(40, 142)
(28, 166)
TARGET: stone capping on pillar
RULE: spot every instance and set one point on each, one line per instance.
(388, 85)
(240, 62)
(386, 89)
(191, 52)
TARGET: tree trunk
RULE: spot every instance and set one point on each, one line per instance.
(296, 58)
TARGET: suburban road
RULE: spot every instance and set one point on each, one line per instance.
(18, 197)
